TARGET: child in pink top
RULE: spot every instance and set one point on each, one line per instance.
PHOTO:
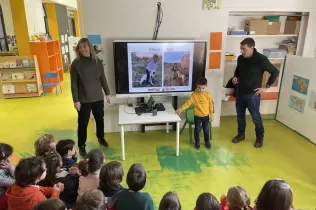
(90, 170)
(237, 198)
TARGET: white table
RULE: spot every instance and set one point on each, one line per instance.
(127, 116)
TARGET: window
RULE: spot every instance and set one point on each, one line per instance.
(45, 19)
(3, 36)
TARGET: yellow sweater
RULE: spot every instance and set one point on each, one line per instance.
(202, 102)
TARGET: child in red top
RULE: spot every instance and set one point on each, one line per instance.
(237, 198)
(25, 194)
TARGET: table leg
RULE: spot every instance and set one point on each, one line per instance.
(178, 138)
(167, 128)
(122, 142)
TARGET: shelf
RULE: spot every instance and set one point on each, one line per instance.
(18, 81)
(18, 69)
(262, 36)
(18, 95)
(272, 60)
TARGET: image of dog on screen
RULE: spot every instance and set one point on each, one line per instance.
(176, 68)
(146, 69)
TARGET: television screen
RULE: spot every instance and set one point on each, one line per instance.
(158, 66)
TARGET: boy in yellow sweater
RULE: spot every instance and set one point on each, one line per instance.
(203, 110)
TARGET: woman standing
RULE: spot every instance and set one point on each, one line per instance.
(87, 82)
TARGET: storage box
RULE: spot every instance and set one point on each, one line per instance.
(292, 27)
(274, 53)
(259, 26)
(274, 28)
(290, 49)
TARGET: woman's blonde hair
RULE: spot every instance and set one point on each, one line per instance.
(238, 198)
(92, 51)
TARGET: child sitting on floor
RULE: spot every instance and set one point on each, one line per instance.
(170, 201)
(111, 176)
(203, 109)
(131, 198)
(6, 173)
(50, 204)
(44, 144)
(55, 174)
(207, 201)
(66, 149)
(25, 193)
(237, 198)
(90, 170)
(275, 193)
(91, 200)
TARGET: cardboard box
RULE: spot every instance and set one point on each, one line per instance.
(291, 49)
(259, 26)
(274, 28)
(292, 27)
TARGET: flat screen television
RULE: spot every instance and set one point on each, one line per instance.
(144, 68)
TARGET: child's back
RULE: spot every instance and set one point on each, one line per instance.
(132, 198)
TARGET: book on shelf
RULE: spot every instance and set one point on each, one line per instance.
(31, 88)
(17, 76)
(29, 75)
(6, 76)
(19, 63)
(8, 88)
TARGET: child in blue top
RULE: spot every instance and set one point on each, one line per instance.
(66, 149)
(132, 198)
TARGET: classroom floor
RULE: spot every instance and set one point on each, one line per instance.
(284, 155)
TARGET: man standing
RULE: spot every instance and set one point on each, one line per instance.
(248, 75)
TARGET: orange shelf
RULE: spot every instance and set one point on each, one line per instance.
(264, 96)
(49, 59)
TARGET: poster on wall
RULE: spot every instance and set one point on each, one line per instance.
(312, 101)
(211, 4)
(300, 84)
(297, 104)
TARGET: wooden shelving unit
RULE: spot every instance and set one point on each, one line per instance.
(49, 59)
(20, 77)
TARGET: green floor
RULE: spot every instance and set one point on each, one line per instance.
(284, 155)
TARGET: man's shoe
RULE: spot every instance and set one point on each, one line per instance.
(103, 143)
(208, 145)
(82, 151)
(259, 143)
(197, 145)
(238, 139)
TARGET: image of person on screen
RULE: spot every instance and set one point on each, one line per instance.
(87, 81)
(248, 75)
(151, 69)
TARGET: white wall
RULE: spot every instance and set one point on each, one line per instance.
(183, 19)
(34, 16)
(68, 3)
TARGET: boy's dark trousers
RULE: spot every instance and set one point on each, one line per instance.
(202, 123)
(84, 117)
(148, 75)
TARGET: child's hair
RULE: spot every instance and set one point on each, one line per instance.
(207, 201)
(28, 171)
(91, 200)
(53, 164)
(44, 144)
(275, 194)
(63, 146)
(136, 177)
(170, 201)
(92, 162)
(202, 81)
(155, 56)
(238, 198)
(111, 175)
(6, 151)
(50, 204)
